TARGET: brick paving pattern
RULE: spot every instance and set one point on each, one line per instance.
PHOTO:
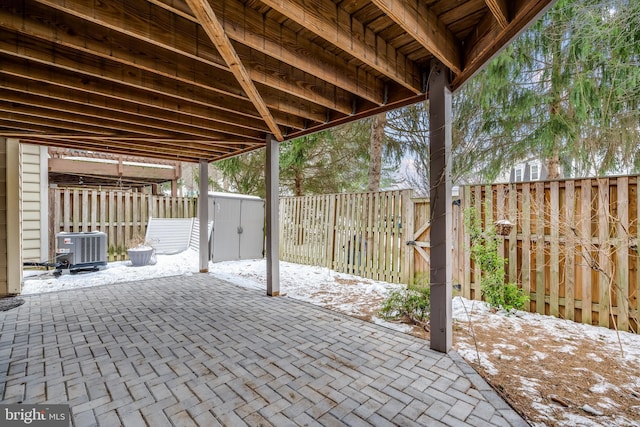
(196, 351)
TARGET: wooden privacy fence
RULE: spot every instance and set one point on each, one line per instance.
(363, 234)
(120, 214)
(380, 235)
(573, 248)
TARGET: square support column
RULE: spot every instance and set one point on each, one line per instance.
(203, 216)
(273, 229)
(10, 218)
(440, 201)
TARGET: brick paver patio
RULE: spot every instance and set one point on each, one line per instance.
(195, 350)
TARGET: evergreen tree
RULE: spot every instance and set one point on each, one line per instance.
(243, 174)
(331, 161)
(565, 91)
(377, 139)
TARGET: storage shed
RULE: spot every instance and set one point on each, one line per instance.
(238, 226)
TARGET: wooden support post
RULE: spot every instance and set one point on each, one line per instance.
(203, 215)
(174, 188)
(440, 199)
(273, 243)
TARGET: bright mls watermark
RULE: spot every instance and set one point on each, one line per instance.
(35, 415)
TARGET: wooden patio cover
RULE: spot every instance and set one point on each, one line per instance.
(198, 80)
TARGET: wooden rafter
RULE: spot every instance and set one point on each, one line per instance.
(500, 11)
(207, 18)
(205, 65)
(43, 78)
(489, 37)
(423, 25)
(82, 119)
(326, 20)
(251, 28)
(80, 111)
(210, 79)
(104, 71)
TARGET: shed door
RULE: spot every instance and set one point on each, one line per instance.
(226, 221)
(252, 236)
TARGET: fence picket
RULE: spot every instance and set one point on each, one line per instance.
(634, 294)
(586, 219)
(512, 216)
(569, 250)
(604, 282)
(85, 210)
(480, 206)
(66, 211)
(525, 220)
(94, 209)
(554, 244)
(540, 247)
(499, 214)
(622, 253)
(75, 208)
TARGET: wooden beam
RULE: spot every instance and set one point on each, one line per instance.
(84, 167)
(252, 29)
(424, 26)
(21, 73)
(440, 208)
(60, 153)
(211, 25)
(149, 148)
(63, 122)
(17, 126)
(489, 37)
(83, 112)
(175, 141)
(159, 144)
(208, 74)
(88, 121)
(500, 11)
(328, 21)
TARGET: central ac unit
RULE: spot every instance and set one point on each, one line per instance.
(80, 251)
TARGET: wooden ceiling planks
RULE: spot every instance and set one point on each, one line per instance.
(204, 79)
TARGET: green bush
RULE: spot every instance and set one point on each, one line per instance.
(411, 304)
(484, 251)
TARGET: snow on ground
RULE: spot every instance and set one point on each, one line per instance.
(561, 373)
(520, 339)
(349, 294)
(38, 281)
(476, 311)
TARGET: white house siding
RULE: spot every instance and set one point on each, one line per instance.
(34, 203)
(10, 218)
